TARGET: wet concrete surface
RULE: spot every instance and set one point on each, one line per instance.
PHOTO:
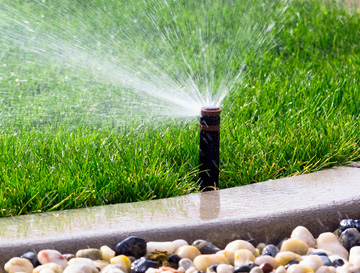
(260, 212)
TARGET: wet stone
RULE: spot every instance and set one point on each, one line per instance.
(350, 238)
(266, 267)
(142, 264)
(32, 257)
(206, 247)
(131, 246)
(242, 268)
(270, 250)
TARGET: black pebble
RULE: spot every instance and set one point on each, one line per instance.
(319, 253)
(205, 247)
(174, 260)
(345, 224)
(242, 268)
(270, 250)
(31, 256)
(338, 262)
(214, 267)
(291, 263)
(350, 238)
(142, 264)
(131, 246)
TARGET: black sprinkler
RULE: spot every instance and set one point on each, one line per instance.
(209, 148)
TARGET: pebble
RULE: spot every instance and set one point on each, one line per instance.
(329, 242)
(270, 250)
(224, 268)
(100, 264)
(230, 255)
(313, 261)
(325, 269)
(51, 256)
(266, 259)
(188, 252)
(350, 238)
(298, 268)
(260, 247)
(296, 246)
(345, 224)
(266, 267)
(303, 234)
(19, 265)
(141, 265)
(107, 253)
(354, 256)
(186, 263)
(206, 247)
(256, 269)
(284, 257)
(81, 261)
(80, 268)
(49, 266)
(202, 262)
(243, 256)
(240, 244)
(32, 257)
(112, 268)
(169, 247)
(123, 262)
(242, 268)
(280, 269)
(131, 246)
(90, 253)
(179, 242)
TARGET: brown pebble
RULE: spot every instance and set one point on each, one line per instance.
(266, 267)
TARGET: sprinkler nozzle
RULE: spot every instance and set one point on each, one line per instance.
(209, 148)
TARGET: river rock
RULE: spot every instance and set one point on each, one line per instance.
(280, 269)
(345, 224)
(123, 262)
(230, 255)
(169, 247)
(224, 268)
(51, 256)
(270, 250)
(186, 263)
(240, 244)
(141, 265)
(19, 265)
(106, 253)
(256, 269)
(313, 262)
(188, 252)
(329, 242)
(112, 268)
(284, 257)
(180, 242)
(191, 270)
(52, 266)
(131, 246)
(80, 268)
(325, 269)
(294, 245)
(46, 270)
(338, 262)
(202, 262)
(242, 268)
(298, 268)
(354, 255)
(206, 247)
(243, 256)
(32, 257)
(100, 264)
(266, 259)
(266, 267)
(303, 234)
(349, 238)
(90, 253)
(81, 261)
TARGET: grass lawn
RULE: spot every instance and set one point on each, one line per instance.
(75, 130)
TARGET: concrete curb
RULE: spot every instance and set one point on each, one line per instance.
(262, 212)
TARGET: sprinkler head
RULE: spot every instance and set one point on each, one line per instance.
(209, 148)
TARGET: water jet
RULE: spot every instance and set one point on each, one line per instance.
(209, 148)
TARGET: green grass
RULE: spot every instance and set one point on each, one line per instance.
(295, 111)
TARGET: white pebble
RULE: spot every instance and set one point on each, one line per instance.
(180, 242)
(112, 268)
(51, 256)
(107, 253)
(329, 242)
(243, 256)
(256, 269)
(81, 261)
(240, 244)
(80, 268)
(53, 266)
(303, 234)
(224, 268)
(169, 247)
(186, 263)
(312, 261)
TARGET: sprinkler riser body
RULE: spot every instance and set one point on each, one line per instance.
(209, 148)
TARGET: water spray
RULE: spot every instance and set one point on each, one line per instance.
(209, 148)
